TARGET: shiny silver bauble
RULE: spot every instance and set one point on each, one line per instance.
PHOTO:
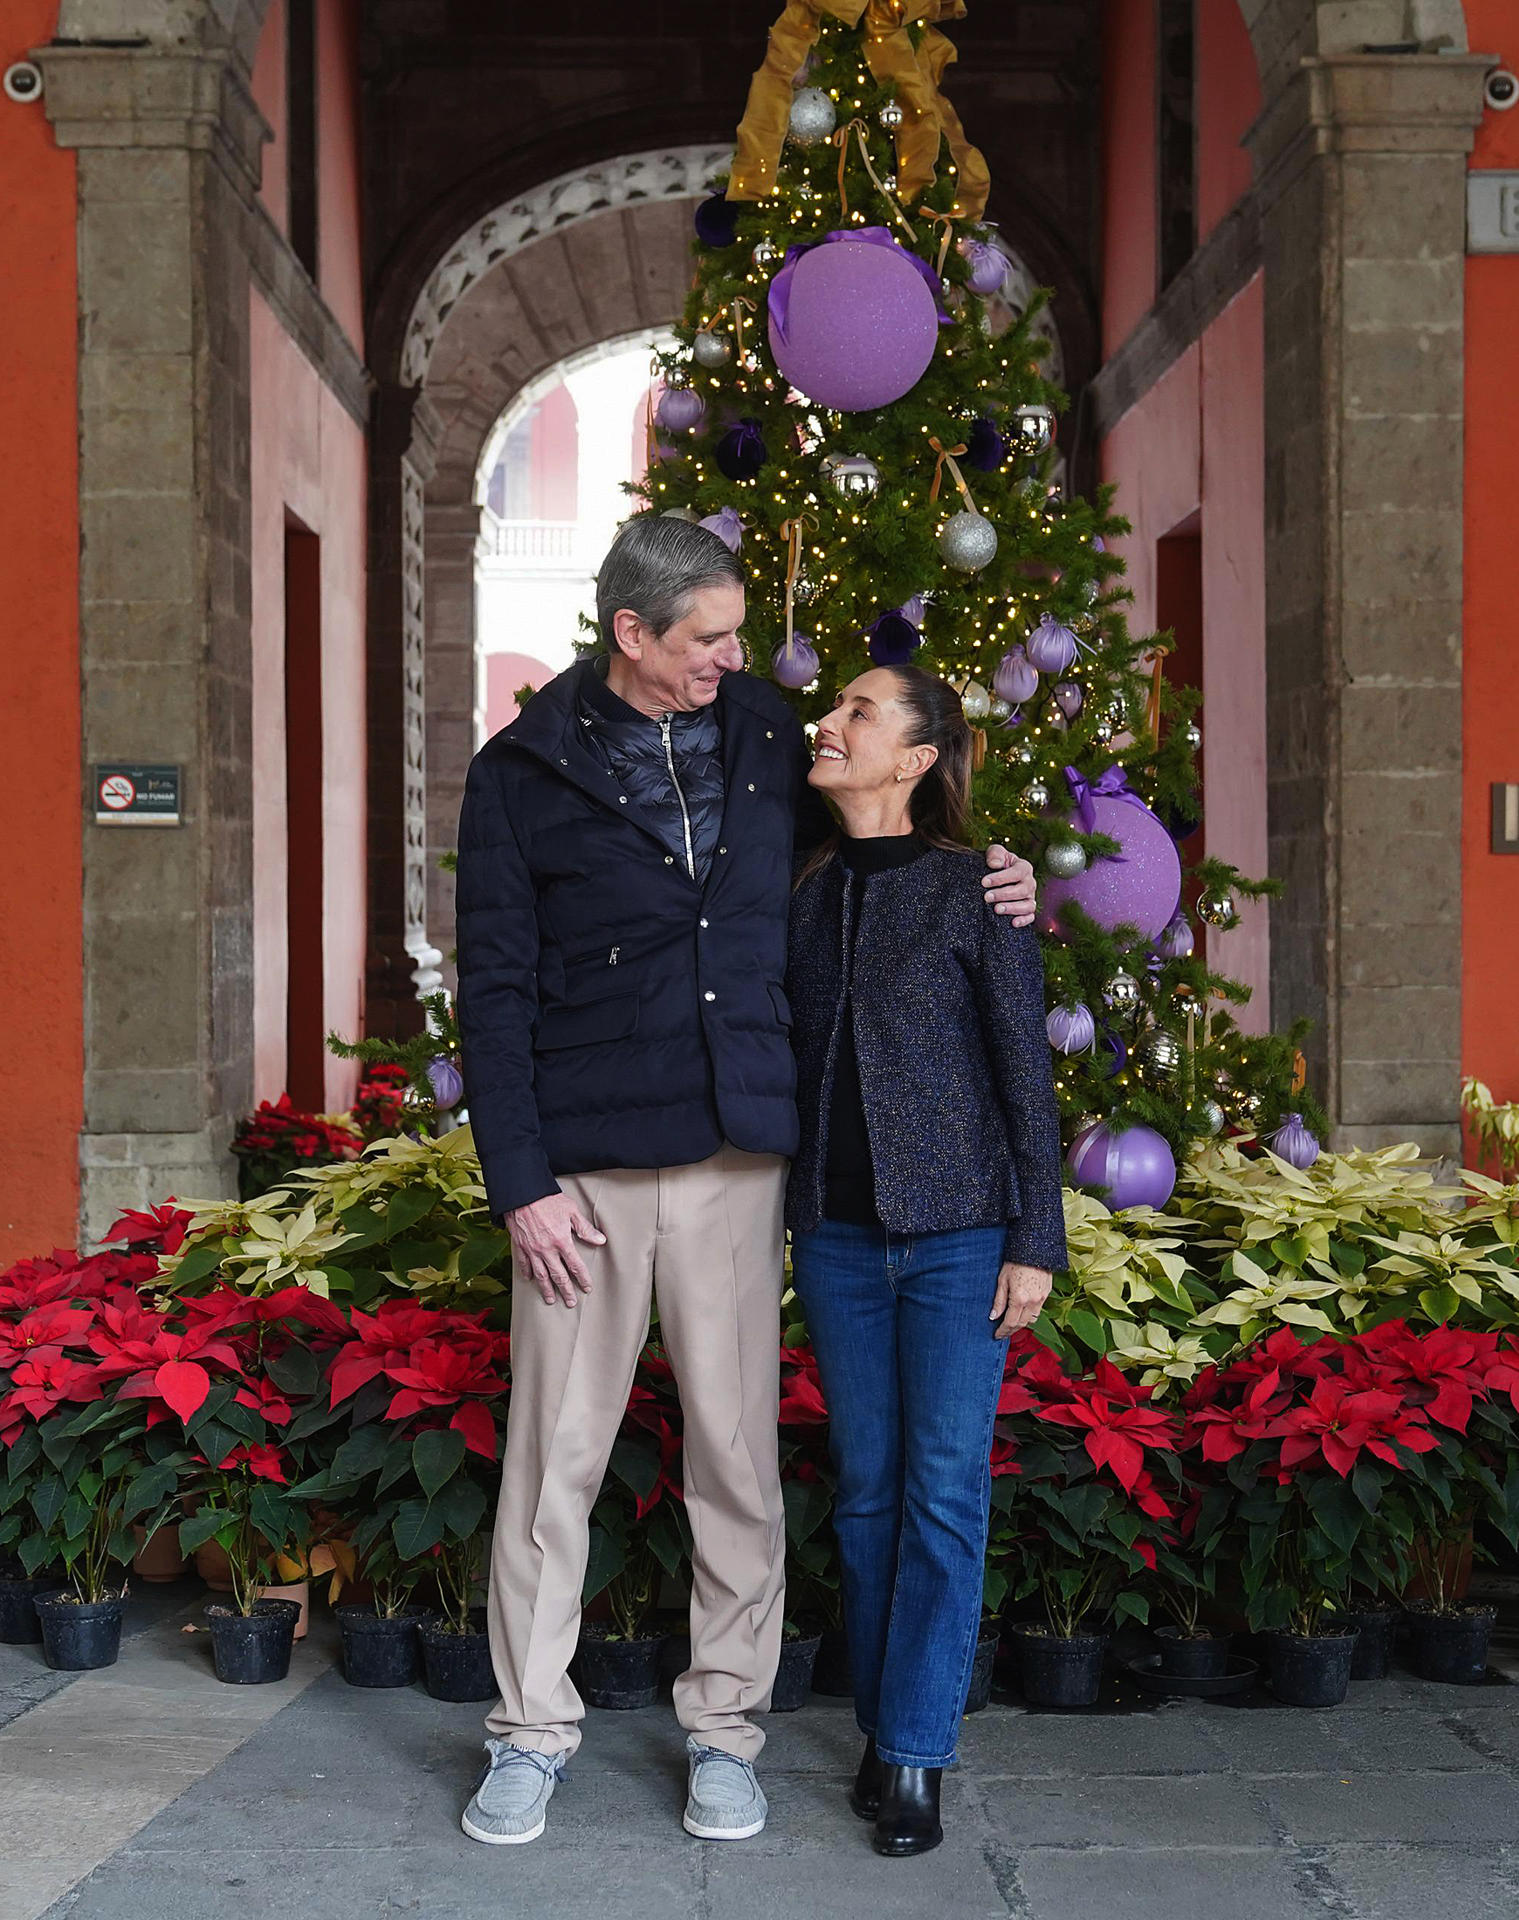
(1035, 797)
(853, 476)
(1065, 861)
(891, 116)
(1157, 1054)
(1205, 1116)
(1103, 731)
(999, 710)
(1192, 733)
(968, 542)
(813, 117)
(765, 254)
(677, 377)
(1121, 994)
(711, 349)
(1033, 429)
(1218, 907)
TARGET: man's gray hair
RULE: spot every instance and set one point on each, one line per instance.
(654, 567)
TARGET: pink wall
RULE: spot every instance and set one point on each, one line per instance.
(338, 207)
(307, 457)
(1128, 167)
(269, 94)
(1228, 98)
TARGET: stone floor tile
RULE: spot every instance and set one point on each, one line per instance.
(850, 1883)
(472, 1882)
(1036, 1745)
(282, 1884)
(1276, 1739)
(1392, 1741)
(1402, 1883)
(1164, 1884)
(1418, 1809)
(1210, 1810)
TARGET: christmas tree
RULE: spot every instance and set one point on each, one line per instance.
(842, 409)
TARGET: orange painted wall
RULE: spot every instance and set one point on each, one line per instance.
(42, 1060)
(1128, 167)
(1490, 687)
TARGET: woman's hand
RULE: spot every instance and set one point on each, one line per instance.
(1021, 1294)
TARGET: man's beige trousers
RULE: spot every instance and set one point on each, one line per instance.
(706, 1241)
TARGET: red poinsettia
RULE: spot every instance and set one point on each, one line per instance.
(802, 1402)
(1119, 1424)
(44, 1382)
(1441, 1369)
(44, 1332)
(1338, 1420)
(264, 1462)
(160, 1230)
(1227, 1418)
(383, 1340)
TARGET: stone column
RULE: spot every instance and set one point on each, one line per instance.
(1361, 168)
(453, 539)
(169, 152)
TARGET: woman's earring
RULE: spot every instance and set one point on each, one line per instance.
(899, 776)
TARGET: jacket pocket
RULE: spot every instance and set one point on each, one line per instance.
(612, 1018)
(782, 1004)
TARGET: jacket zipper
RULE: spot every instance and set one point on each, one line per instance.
(685, 818)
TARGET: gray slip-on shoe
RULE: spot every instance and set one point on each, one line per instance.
(725, 1800)
(511, 1801)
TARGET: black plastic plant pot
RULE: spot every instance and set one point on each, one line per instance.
(983, 1666)
(1450, 1646)
(1061, 1672)
(1201, 1656)
(457, 1666)
(19, 1625)
(1376, 1630)
(793, 1677)
(831, 1672)
(617, 1674)
(379, 1650)
(1311, 1669)
(79, 1635)
(251, 1649)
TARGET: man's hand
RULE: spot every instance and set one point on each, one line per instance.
(543, 1246)
(1021, 1294)
(1010, 886)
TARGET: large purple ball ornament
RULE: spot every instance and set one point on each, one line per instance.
(1140, 888)
(988, 267)
(447, 1083)
(1176, 940)
(741, 452)
(893, 640)
(795, 666)
(717, 222)
(1071, 1029)
(985, 448)
(728, 527)
(1134, 1168)
(1015, 679)
(1051, 646)
(679, 410)
(854, 321)
(1293, 1143)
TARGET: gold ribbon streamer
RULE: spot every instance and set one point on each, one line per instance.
(841, 141)
(947, 459)
(927, 213)
(793, 531)
(1152, 712)
(914, 72)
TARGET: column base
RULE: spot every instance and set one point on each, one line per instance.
(139, 1170)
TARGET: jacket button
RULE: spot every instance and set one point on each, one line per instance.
(622, 799)
(669, 859)
(564, 763)
(768, 734)
(751, 786)
(709, 995)
(703, 923)
(722, 849)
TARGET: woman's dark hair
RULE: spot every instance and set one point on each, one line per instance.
(939, 807)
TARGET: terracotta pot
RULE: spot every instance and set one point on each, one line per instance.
(158, 1560)
(213, 1566)
(300, 1592)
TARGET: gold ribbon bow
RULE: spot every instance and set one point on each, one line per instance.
(793, 532)
(914, 71)
(948, 220)
(841, 141)
(947, 459)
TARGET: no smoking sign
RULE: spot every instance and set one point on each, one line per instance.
(136, 796)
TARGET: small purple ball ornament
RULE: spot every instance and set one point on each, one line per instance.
(1071, 1029)
(796, 665)
(985, 448)
(728, 527)
(717, 221)
(1069, 697)
(742, 451)
(679, 410)
(988, 267)
(1132, 1168)
(447, 1083)
(1141, 887)
(1051, 646)
(1015, 679)
(914, 609)
(893, 639)
(854, 321)
(1293, 1143)
(1176, 938)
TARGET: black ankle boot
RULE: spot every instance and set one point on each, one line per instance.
(908, 1822)
(865, 1794)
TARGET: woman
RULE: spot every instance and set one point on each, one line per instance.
(924, 1204)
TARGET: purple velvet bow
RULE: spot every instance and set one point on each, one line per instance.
(780, 286)
(1113, 784)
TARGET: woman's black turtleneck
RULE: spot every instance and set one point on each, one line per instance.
(849, 1179)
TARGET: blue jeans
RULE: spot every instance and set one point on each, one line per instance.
(911, 1368)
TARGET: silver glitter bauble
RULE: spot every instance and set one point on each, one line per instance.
(813, 117)
(1025, 756)
(891, 116)
(765, 254)
(681, 513)
(1205, 1116)
(1035, 797)
(1192, 733)
(999, 709)
(1033, 429)
(854, 476)
(968, 542)
(711, 349)
(1121, 994)
(1065, 861)
(1217, 906)
(805, 591)
(1158, 1054)
(975, 699)
(1092, 590)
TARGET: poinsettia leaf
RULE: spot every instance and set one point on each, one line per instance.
(462, 1507)
(607, 1559)
(197, 1528)
(406, 1207)
(183, 1386)
(416, 1529)
(435, 1458)
(152, 1485)
(362, 1453)
(203, 1258)
(47, 1499)
(483, 1250)
(397, 1462)
(365, 1224)
(636, 1465)
(295, 1371)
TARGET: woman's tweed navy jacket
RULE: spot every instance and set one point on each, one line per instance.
(614, 1011)
(948, 1005)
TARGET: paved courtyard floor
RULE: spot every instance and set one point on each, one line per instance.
(150, 1792)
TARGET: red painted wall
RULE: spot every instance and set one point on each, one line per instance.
(42, 1060)
(1227, 100)
(1490, 693)
(1128, 168)
(269, 95)
(340, 270)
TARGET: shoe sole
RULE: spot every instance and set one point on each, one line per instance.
(501, 1839)
(721, 1833)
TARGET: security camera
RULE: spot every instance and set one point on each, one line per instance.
(23, 81)
(1501, 91)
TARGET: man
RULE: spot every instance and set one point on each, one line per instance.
(625, 861)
